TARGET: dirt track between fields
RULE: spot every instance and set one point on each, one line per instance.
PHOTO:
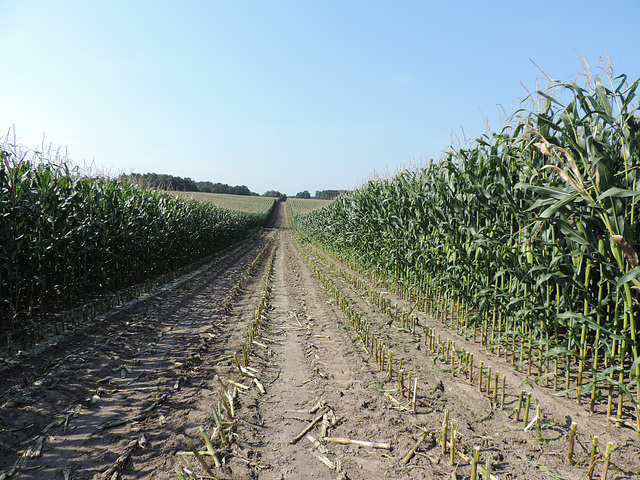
(119, 398)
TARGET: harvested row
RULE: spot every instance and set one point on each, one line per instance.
(137, 397)
(129, 400)
(320, 418)
(395, 348)
(219, 446)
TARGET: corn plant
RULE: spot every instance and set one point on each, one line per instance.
(525, 240)
(591, 148)
(66, 237)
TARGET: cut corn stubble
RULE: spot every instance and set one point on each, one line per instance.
(363, 443)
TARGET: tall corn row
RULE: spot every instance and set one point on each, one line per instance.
(530, 231)
(65, 237)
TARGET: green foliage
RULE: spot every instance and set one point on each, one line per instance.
(276, 194)
(180, 184)
(537, 223)
(66, 237)
(298, 206)
(241, 203)
(209, 187)
(327, 194)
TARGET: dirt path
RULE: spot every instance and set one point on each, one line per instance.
(313, 361)
(120, 398)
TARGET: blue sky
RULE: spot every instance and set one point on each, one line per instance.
(286, 95)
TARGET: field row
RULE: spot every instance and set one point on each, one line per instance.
(397, 334)
(240, 203)
(528, 237)
(126, 382)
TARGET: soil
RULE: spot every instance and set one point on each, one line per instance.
(120, 396)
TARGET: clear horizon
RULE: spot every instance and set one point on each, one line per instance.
(286, 95)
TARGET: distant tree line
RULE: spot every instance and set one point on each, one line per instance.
(163, 181)
(321, 194)
(224, 188)
(274, 193)
(328, 194)
(170, 182)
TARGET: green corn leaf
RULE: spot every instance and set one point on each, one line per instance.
(631, 276)
(553, 209)
(634, 366)
(552, 192)
(617, 192)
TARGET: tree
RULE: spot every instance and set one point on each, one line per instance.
(169, 182)
(303, 194)
(275, 193)
(328, 194)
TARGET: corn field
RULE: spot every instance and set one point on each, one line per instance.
(531, 234)
(242, 203)
(305, 205)
(66, 237)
